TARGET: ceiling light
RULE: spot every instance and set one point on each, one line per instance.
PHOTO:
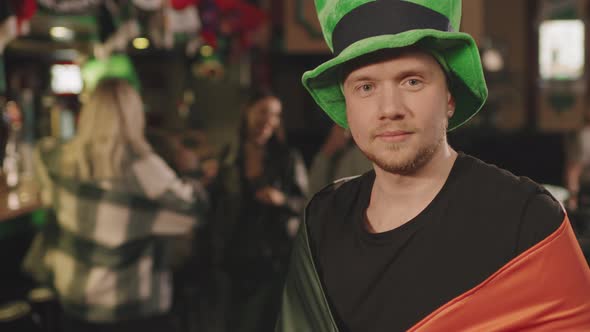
(492, 60)
(141, 43)
(61, 33)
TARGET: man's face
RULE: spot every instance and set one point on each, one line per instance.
(398, 110)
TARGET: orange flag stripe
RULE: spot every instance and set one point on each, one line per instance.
(546, 288)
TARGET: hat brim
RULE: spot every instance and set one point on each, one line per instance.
(458, 49)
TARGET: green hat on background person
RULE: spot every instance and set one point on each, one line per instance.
(115, 66)
(353, 28)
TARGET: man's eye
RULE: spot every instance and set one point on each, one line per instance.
(366, 88)
(414, 82)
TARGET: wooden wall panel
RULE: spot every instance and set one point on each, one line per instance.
(507, 30)
(472, 19)
(302, 32)
(561, 105)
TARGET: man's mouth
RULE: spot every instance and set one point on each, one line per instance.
(394, 135)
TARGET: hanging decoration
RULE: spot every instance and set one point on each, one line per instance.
(24, 10)
(118, 41)
(230, 27)
(117, 27)
(8, 25)
(210, 22)
(168, 23)
(209, 67)
(184, 21)
(149, 5)
(213, 33)
(182, 4)
(241, 19)
(69, 6)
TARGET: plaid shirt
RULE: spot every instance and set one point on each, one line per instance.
(107, 254)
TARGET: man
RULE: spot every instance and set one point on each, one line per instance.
(432, 239)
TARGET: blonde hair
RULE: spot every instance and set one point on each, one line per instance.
(110, 129)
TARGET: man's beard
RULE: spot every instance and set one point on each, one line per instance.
(411, 164)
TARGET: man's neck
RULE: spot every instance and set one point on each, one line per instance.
(397, 198)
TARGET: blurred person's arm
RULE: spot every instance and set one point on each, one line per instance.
(293, 199)
(184, 202)
(321, 172)
(193, 157)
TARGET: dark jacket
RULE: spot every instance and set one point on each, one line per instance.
(248, 236)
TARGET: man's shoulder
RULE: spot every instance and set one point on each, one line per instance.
(349, 181)
(493, 179)
(511, 201)
(336, 197)
(339, 188)
(333, 202)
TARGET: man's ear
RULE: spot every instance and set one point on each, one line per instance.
(451, 105)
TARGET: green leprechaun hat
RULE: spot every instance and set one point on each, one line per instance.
(353, 28)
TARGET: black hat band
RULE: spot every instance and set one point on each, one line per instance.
(385, 17)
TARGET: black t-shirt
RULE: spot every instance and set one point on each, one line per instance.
(482, 218)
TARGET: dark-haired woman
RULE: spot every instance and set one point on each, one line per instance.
(259, 201)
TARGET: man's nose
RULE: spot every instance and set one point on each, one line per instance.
(392, 105)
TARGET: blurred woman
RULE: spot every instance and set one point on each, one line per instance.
(258, 210)
(116, 205)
